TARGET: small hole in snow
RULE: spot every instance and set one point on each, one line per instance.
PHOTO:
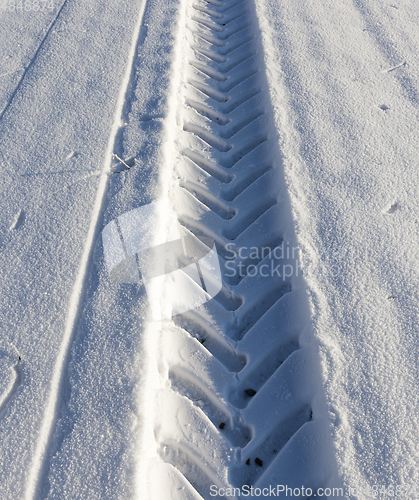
(250, 392)
(393, 208)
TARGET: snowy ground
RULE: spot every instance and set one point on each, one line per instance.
(266, 123)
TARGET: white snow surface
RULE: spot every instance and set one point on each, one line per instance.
(352, 170)
(81, 380)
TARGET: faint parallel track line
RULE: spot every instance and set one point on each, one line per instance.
(39, 463)
(29, 66)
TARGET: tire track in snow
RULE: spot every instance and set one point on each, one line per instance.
(228, 360)
(39, 466)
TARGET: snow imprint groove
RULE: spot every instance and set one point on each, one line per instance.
(244, 348)
(11, 378)
(40, 460)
